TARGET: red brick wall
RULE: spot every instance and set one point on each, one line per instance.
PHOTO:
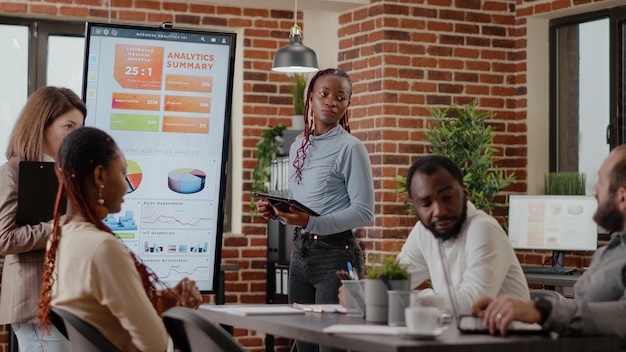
(404, 56)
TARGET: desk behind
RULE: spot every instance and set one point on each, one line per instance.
(552, 280)
(560, 283)
(308, 327)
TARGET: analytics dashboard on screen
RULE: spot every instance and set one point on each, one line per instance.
(165, 96)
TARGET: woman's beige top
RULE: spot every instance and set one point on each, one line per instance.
(97, 281)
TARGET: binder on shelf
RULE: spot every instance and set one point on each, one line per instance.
(285, 281)
(279, 281)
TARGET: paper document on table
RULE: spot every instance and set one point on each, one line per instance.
(269, 309)
(366, 329)
(321, 308)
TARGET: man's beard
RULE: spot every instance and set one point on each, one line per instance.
(455, 231)
(609, 217)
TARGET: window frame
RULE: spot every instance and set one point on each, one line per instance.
(616, 128)
(39, 30)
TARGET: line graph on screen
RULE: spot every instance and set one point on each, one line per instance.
(177, 215)
(175, 272)
(173, 269)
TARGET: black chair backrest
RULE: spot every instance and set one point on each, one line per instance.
(82, 335)
(191, 332)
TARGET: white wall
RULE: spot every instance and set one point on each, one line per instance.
(320, 33)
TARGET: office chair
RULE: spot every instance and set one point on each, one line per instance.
(82, 335)
(548, 294)
(192, 332)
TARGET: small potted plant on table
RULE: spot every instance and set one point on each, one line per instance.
(394, 274)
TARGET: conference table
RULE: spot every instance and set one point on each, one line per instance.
(308, 327)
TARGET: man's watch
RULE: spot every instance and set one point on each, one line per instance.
(544, 306)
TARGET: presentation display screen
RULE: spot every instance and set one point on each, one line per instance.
(165, 96)
(557, 223)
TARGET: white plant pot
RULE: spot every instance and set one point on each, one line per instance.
(376, 298)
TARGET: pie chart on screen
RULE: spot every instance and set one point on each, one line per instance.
(133, 176)
(186, 180)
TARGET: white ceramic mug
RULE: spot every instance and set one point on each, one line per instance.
(422, 320)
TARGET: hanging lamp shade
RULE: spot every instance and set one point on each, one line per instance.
(295, 57)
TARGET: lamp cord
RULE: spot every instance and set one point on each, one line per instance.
(295, 14)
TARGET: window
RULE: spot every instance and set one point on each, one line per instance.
(14, 46)
(35, 54)
(581, 106)
(586, 115)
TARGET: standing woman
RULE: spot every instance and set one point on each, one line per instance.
(49, 115)
(88, 271)
(330, 172)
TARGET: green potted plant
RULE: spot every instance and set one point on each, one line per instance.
(462, 134)
(391, 273)
(267, 148)
(297, 85)
(392, 269)
(569, 183)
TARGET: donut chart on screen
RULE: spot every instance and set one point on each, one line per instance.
(134, 176)
(186, 180)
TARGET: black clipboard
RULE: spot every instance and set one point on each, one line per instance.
(282, 203)
(36, 192)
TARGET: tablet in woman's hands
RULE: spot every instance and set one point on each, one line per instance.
(283, 204)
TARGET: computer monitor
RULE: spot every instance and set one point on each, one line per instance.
(553, 222)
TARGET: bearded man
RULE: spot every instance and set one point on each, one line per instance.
(478, 254)
(599, 307)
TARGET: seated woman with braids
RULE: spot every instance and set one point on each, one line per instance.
(87, 270)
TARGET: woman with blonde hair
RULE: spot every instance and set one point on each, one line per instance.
(48, 116)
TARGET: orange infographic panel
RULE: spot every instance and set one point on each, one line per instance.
(185, 124)
(132, 101)
(138, 66)
(189, 83)
(187, 104)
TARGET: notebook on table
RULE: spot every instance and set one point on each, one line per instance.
(468, 324)
(36, 193)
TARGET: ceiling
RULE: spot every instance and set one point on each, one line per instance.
(316, 5)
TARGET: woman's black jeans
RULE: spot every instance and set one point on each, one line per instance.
(315, 260)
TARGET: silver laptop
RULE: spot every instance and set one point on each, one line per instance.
(473, 325)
